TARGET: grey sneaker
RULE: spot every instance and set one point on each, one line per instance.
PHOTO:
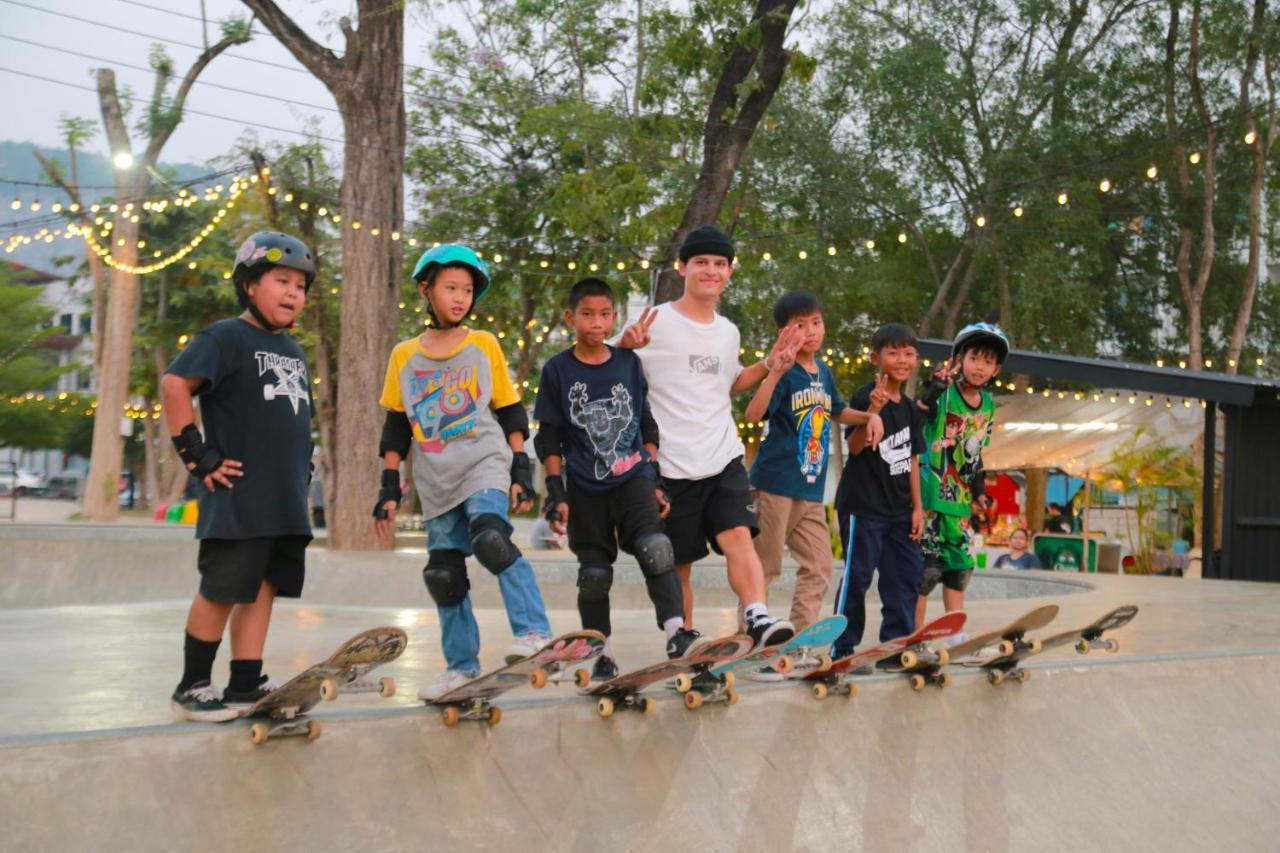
(201, 702)
(448, 680)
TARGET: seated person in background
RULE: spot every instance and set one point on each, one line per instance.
(1059, 520)
(1018, 557)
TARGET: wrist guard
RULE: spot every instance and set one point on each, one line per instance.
(390, 491)
(522, 475)
(932, 392)
(556, 495)
(200, 460)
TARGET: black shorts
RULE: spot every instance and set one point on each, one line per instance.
(702, 509)
(232, 570)
(599, 521)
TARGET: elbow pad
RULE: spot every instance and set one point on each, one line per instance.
(513, 418)
(397, 435)
(549, 441)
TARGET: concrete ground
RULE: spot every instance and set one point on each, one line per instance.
(1169, 744)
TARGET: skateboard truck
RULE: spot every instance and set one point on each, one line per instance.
(629, 699)
(290, 724)
(702, 686)
(472, 709)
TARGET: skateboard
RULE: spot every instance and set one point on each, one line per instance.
(472, 701)
(1003, 667)
(693, 677)
(342, 672)
(803, 646)
(921, 663)
(1010, 643)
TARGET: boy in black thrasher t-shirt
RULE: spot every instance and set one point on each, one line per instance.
(254, 459)
(878, 500)
(595, 425)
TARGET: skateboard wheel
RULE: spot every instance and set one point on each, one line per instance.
(1113, 646)
(538, 679)
(995, 676)
(783, 664)
(581, 677)
(648, 705)
(1024, 675)
(1082, 647)
(917, 682)
(693, 700)
(494, 716)
(819, 691)
(258, 733)
(729, 680)
(314, 729)
(605, 706)
(683, 682)
(944, 680)
(731, 696)
(852, 692)
(1005, 648)
(387, 687)
(1035, 646)
(943, 657)
(328, 690)
(909, 659)
(824, 661)
(449, 716)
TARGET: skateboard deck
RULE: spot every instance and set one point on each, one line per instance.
(472, 701)
(1006, 666)
(917, 659)
(806, 651)
(342, 672)
(692, 672)
(1010, 639)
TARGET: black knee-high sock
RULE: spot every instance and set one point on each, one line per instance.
(198, 658)
(666, 595)
(595, 615)
(245, 674)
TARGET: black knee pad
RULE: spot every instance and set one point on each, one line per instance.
(594, 582)
(932, 574)
(655, 554)
(446, 577)
(958, 579)
(491, 543)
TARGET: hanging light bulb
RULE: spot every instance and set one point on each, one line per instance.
(1250, 138)
(1152, 171)
(1062, 198)
(870, 244)
(902, 236)
(1018, 211)
(1194, 157)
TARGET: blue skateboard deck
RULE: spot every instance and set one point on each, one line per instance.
(818, 637)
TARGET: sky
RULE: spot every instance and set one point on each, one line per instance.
(123, 33)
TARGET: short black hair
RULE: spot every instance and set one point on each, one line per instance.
(795, 303)
(892, 335)
(590, 287)
(982, 348)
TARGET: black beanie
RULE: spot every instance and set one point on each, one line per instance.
(707, 240)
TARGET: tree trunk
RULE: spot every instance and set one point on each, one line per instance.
(730, 126)
(368, 84)
(150, 465)
(944, 288)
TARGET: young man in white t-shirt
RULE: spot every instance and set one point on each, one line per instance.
(690, 358)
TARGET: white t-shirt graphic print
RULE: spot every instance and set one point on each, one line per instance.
(690, 368)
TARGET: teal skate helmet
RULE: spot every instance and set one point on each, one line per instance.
(445, 255)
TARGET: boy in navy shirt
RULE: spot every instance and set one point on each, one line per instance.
(599, 444)
(799, 400)
(878, 500)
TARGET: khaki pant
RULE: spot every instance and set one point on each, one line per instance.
(802, 527)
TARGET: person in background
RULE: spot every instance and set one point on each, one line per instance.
(1019, 557)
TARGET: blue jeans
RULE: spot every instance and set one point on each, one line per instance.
(885, 546)
(459, 633)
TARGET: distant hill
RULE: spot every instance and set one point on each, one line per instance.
(18, 163)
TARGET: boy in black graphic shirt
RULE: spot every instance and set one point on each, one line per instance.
(595, 426)
(878, 499)
(254, 459)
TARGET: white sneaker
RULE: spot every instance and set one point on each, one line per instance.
(450, 679)
(523, 647)
(956, 639)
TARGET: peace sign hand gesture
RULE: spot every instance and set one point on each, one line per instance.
(637, 334)
(879, 394)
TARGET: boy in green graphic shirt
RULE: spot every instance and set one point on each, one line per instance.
(960, 417)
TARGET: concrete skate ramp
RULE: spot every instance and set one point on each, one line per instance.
(1116, 753)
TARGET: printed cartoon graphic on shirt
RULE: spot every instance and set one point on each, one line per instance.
(291, 378)
(444, 406)
(895, 450)
(610, 425)
(811, 408)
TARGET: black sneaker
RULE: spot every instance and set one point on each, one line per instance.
(605, 669)
(200, 702)
(683, 643)
(238, 698)
(770, 631)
